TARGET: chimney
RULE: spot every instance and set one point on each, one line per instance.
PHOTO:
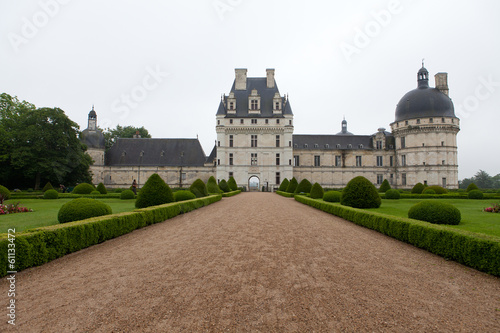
(241, 79)
(137, 135)
(442, 83)
(270, 77)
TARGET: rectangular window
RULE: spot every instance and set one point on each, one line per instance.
(277, 140)
(242, 121)
(296, 161)
(218, 161)
(277, 159)
(289, 143)
(277, 121)
(230, 141)
(230, 121)
(380, 179)
(380, 161)
(358, 161)
(277, 105)
(231, 105)
(231, 159)
(379, 144)
(442, 143)
(418, 121)
(391, 178)
(267, 121)
(403, 142)
(317, 161)
(278, 178)
(290, 162)
(338, 160)
(254, 121)
(183, 176)
(231, 174)
(254, 104)
(218, 143)
(431, 120)
(403, 160)
(253, 140)
(403, 179)
(253, 160)
(391, 160)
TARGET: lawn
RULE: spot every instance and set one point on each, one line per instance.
(45, 212)
(473, 218)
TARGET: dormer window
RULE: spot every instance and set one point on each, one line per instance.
(316, 145)
(360, 146)
(231, 105)
(277, 105)
(349, 146)
(338, 145)
(254, 104)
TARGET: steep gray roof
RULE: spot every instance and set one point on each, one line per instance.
(213, 155)
(156, 152)
(306, 141)
(266, 100)
(93, 139)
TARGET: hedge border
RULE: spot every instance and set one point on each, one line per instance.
(478, 251)
(35, 247)
(66, 196)
(285, 194)
(441, 196)
(230, 194)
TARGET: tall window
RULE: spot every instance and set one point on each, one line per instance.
(278, 178)
(231, 105)
(380, 179)
(230, 141)
(358, 161)
(403, 142)
(277, 159)
(254, 121)
(254, 140)
(391, 160)
(317, 161)
(242, 121)
(277, 121)
(254, 104)
(379, 144)
(253, 160)
(380, 161)
(296, 160)
(277, 140)
(231, 174)
(391, 178)
(230, 121)
(444, 182)
(231, 159)
(403, 179)
(277, 106)
(403, 160)
(338, 161)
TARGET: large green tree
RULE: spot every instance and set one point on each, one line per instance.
(41, 144)
(111, 134)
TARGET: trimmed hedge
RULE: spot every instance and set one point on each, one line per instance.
(83, 188)
(38, 246)
(199, 188)
(418, 188)
(127, 195)
(360, 193)
(438, 189)
(95, 193)
(102, 189)
(429, 191)
(385, 186)
(184, 195)
(283, 185)
(303, 187)
(317, 191)
(435, 212)
(224, 187)
(51, 194)
(332, 196)
(212, 186)
(232, 184)
(472, 187)
(475, 194)
(4, 194)
(47, 187)
(474, 250)
(292, 186)
(392, 194)
(230, 194)
(82, 208)
(285, 194)
(154, 192)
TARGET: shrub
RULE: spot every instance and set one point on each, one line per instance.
(472, 187)
(232, 184)
(332, 196)
(199, 188)
(283, 185)
(95, 193)
(83, 188)
(392, 194)
(183, 195)
(292, 185)
(475, 194)
(434, 211)
(127, 195)
(212, 186)
(4, 194)
(360, 193)
(438, 189)
(154, 192)
(317, 191)
(223, 186)
(303, 187)
(429, 191)
(102, 189)
(81, 209)
(418, 188)
(47, 187)
(51, 194)
(385, 186)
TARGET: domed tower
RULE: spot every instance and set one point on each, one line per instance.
(93, 138)
(425, 130)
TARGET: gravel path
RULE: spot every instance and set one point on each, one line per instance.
(255, 262)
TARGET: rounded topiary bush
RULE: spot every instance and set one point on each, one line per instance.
(183, 195)
(51, 194)
(475, 194)
(127, 195)
(472, 187)
(232, 184)
(434, 211)
(292, 185)
(303, 187)
(199, 188)
(223, 186)
(429, 191)
(154, 192)
(83, 188)
(283, 185)
(212, 186)
(392, 194)
(438, 189)
(418, 188)
(360, 193)
(385, 186)
(118, 190)
(317, 191)
(95, 193)
(332, 196)
(4, 193)
(47, 187)
(102, 189)
(82, 208)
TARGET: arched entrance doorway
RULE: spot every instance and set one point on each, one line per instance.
(253, 183)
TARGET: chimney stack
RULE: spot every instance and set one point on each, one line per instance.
(270, 77)
(442, 83)
(241, 79)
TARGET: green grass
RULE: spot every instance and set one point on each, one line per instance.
(473, 218)
(45, 212)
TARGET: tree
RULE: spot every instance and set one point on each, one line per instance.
(112, 134)
(483, 180)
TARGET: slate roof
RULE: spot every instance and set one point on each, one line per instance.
(213, 155)
(156, 152)
(93, 139)
(301, 140)
(266, 100)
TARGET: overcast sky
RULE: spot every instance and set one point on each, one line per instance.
(164, 64)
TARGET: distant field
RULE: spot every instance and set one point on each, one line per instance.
(45, 212)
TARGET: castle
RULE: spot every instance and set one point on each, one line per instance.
(256, 145)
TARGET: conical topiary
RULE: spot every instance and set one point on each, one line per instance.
(154, 192)
(223, 186)
(418, 188)
(47, 187)
(284, 185)
(199, 188)
(101, 188)
(232, 184)
(385, 186)
(304, 186)
(317, 191)
(472, 187)
(212, 186)
(292, 185)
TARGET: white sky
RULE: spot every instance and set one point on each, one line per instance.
(74, 53)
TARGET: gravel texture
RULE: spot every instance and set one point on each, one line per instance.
(256, 262)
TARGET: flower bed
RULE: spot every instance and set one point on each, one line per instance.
(13, 208)
(493, 209)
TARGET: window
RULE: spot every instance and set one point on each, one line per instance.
(403, 179)
(230, 121)
(327, 145)
(403, 160)
(231, 159)
(290, 162)
(277, 140)
(444, 182)
(337, 160)
(349, 146)
(442, 120)
(231, 174)
(403, 142)
(423, 144)
(218, 161)
(380, 179)
(296, 160)
(254, 104)
(442, 143)
(358, 161)
(289, 122)
(360, 146)
(267, 121)
(230, 141)
(242, 121)
(391, 160)
(317, 161)
(253, 141)
(218, 143)
(418, 121)
(278, 178)
(231, 105)
(425, 182)
(431, 120)
(442, 162)
(391, 178)
(423, 163)
(183, 176)
(406, 122)
(380, 161)
(306, 145)
(254, 121)
(253, 160)
(338, 146)
(277, 121)
(277, 159)
(218, 122)
(316, 145)
(277, 105)
(379, 144)
(289, 143)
